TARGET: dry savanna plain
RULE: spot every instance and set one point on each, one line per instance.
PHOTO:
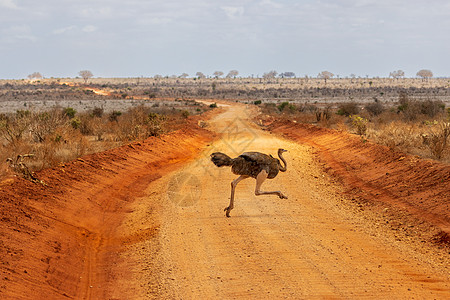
(107, 189)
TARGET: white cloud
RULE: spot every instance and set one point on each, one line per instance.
(89, 28)
(271, 4)
(9, 4)
(64, 29)
(233, 12)
(100, 12)
(149, 20)
(18, 32)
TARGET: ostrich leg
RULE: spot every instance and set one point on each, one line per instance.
(233, 188)
(259, 181)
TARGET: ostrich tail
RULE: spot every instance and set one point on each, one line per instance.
(220, 159)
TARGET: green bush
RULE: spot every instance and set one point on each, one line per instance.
(359, 123)
(70, 112)
(76, 123)
(283, 105)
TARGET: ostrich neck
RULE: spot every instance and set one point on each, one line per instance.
(282, 168)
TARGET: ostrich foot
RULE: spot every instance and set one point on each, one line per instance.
(282, 196)
(227, 209)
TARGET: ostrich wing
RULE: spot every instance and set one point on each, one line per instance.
(257, 157)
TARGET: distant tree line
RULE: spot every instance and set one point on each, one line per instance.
(325, 75)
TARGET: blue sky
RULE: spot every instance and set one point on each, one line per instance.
(113, 38)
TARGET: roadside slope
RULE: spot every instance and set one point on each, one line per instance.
(59, 240)
(417, 188)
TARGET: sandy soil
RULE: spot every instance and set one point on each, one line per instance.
(147, 221)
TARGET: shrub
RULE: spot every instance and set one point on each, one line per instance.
(113, 117)
(282, 106)
(347, 109)
(185, 114)
(70, 112)
(323, 114)
(437, 141)
(286, 105)
(139, 123)
(375, 108)
(431, 108)
(360, 124)
(214, 105)
(86, 124)
(44, 124)
(97, 112)
(75, 122)
(412, 109)
(13, 126)
(257, 102)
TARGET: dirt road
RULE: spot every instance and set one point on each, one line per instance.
(306, 247)
(147, 221)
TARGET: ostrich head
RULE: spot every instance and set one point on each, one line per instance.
(280, 152)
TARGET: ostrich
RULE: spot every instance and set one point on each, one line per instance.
(251, 164)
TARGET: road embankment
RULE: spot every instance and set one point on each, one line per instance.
(414, 192)
(58, 239)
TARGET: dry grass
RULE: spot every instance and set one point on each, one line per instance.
(397, 135)
(429, 140)
(410, 125)
(57, 136)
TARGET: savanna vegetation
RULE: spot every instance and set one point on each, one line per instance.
(47, 137)
(411, 125)
(58, 120)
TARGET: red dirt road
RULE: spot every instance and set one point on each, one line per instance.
(147, 221)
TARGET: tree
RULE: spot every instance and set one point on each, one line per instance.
(232, 73)
(287, 75)
(217, 74)
(397, 74)
(184, 75)
(425, 74)
(200, 75)
(325, 75)
(86, 75)
(35, 76)
(270, 75)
